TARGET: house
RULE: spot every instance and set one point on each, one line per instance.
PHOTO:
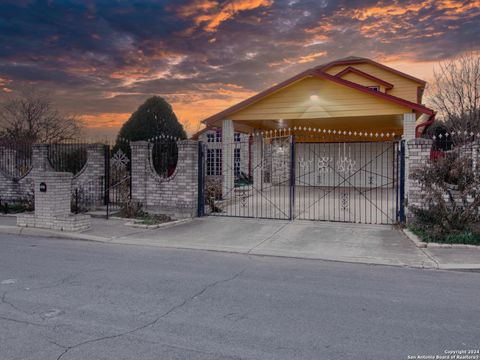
(328, 136)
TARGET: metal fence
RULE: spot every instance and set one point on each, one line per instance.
(15, 157)
(164, 155)
(308, 175)
(68, 156)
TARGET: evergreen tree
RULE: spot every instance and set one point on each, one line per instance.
(153, 118)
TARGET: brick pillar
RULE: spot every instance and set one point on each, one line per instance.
(55, 201)
(476, 155)
(257, 159)
(227, 159)
(96, 160)
(53, 194)
(409, 123)
(140, 166)
(419, 155)
(186, 189)
(40, 160)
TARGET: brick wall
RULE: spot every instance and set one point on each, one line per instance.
(176, 195)
(89, 180)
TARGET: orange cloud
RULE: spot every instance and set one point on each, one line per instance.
(310, 57)
(3, 85)
(212, 14)
(190, 108)
(389, 10)
(299, 60)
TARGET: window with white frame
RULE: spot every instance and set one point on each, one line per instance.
(374, 88)
(214, 161)
(236, 137)
(210, 137)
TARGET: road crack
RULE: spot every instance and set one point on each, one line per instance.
(12, 305)
(156, 320)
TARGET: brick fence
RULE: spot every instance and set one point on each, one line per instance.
(176, 195)
(419, 152)
(89, 181)
(21, 188)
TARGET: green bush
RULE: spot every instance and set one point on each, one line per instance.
(450, 209)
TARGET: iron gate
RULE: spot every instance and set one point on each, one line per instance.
(118, 180)
(307, 177)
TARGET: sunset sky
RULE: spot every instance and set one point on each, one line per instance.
(102, 59)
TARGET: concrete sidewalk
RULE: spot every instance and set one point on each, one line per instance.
(371, 244)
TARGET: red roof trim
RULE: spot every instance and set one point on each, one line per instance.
(397, 100)
(387, 85)
(369, 61)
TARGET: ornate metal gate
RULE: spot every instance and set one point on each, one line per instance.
(117, 182)
(314, 176)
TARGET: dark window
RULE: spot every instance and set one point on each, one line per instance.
(218, 136)
(374, 88)
(210, 137)
(236, 137)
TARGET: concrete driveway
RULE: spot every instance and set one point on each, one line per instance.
(373, 244)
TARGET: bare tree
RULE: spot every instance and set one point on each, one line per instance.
(33, 117)
(455, 93)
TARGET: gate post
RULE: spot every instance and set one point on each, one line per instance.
(258, 161)
(292, 177)
(401, 200)
(227, 159)
(201, 179)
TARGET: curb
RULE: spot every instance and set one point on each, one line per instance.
(422, 244)
(157, 226)
(415, 239)
(26, 231)
(14, 230)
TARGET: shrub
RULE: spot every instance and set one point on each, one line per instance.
(213, 193)
(451, 203)
(131, 209)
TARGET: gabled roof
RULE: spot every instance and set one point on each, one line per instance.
(351, 60)
(365, 75)
(319, 72)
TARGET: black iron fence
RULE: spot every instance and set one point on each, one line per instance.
(70, 156)
(164, 155)
(15, 157)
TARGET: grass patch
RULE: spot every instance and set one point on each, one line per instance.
(153, 219)
(467, 237)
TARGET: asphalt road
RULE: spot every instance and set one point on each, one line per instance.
(64, 299)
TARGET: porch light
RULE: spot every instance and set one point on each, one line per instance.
(314, 97)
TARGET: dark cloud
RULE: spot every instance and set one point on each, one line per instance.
(106, 56)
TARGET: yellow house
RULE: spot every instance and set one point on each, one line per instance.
(322, 145)
(347, 94)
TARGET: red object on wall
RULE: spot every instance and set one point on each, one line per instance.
(436, 154)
